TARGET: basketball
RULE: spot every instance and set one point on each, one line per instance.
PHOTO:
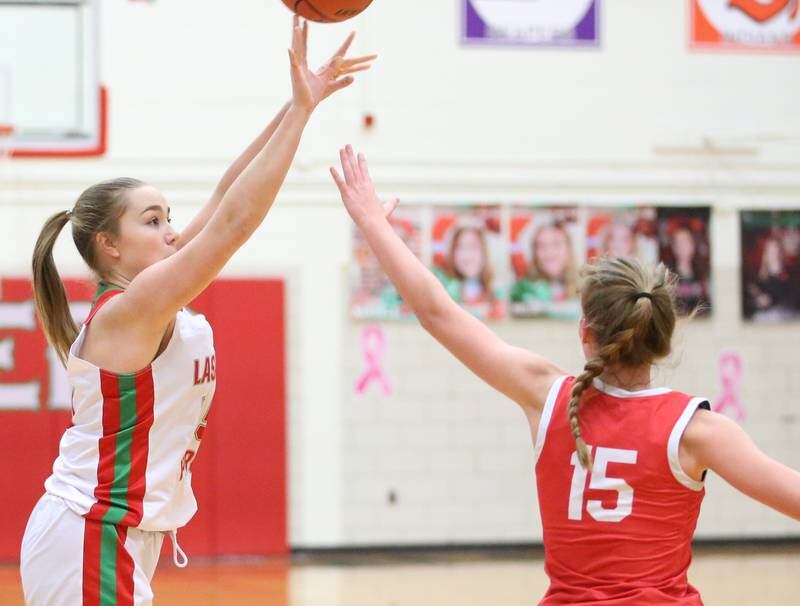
(327, 11)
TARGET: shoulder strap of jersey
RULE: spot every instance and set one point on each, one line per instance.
(105, 292)
(686, 409)
(557, 394)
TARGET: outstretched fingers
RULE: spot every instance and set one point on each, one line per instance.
(345, 46)
(353, 70)
(340, 84)
(299, 39)
(355, 61)
(339, 66)
(294, 60)
(337, 178)
(295, 32)
(354, 167)
(356, 188)
(347, 167)
(363, 169)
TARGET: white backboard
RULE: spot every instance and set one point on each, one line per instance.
(49, 83)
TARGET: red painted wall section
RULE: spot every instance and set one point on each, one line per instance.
(239, 474)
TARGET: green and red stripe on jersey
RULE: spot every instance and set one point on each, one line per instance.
(127, 416)
(121, 484)
(121, 474)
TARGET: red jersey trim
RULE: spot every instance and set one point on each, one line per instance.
(673, 445)
(547, 415)
(101, 300)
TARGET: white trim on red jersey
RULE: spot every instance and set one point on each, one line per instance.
(547, 414)
(618, 392)
(673, 445)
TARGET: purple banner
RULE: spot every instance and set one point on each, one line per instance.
(572, 23)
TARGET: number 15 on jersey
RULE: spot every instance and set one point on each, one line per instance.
(601, 481)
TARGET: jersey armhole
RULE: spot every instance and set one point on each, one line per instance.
(673, 445)
(547, 415)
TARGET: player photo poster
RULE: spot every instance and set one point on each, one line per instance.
(546, 252)
(770, 265)
(374, 297)
(684, 248)
(622, 232)
(469, 259)
(745, 24)
(531, 22)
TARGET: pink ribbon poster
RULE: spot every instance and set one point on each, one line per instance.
(731, 374)
(572, 23)
(736, 25)
(373, 351)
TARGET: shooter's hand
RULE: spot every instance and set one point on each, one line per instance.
(310, 88)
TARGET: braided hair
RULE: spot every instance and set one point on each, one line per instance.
(629, 307)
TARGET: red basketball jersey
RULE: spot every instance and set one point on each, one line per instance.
(620, 534)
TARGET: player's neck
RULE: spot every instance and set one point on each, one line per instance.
(627, 378)
(116, 279)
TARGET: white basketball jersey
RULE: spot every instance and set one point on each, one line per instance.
(126, 458)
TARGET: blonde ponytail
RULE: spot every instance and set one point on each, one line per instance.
(48, 289)
(97, 210)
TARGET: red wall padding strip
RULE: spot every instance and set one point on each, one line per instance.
(240, 470)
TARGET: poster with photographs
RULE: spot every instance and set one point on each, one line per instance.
(771, 265)
(684, 248)
(546, 252)
(622, 232)
(745, 25)
(374, 297)
(573, 23)
(469, 259)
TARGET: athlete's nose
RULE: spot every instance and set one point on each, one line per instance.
(171, 237)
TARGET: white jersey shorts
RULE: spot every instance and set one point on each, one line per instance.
(68, 560)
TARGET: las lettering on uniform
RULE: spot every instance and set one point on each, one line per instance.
(209, 371)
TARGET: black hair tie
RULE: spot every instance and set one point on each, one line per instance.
(647, 295)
